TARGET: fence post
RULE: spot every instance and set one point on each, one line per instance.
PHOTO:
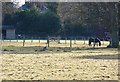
(39, 39)
(88, 39)
(103, 41)
(84, 40)
(58, 40)
(17, 39)
(66, 40)
(48, 42)
(23, 41)
(75, 40)
(70, 42)
(32, 40)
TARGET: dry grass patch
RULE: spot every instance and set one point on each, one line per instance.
(82, 64)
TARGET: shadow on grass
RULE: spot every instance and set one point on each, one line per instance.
(102, 57)
(41, 49)
(93, 48)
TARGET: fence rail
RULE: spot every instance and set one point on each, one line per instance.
(51, 42)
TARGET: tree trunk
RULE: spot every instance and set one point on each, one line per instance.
(114, 42)
(0, 22)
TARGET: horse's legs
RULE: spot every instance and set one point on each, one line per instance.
(89, 43)
(97, 44)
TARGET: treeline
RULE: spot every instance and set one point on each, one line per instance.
(91, 19)
(33, 22)
(66, 19)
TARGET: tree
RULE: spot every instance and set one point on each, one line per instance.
(8, 8)
(114, 43)
(34, 22)
(119, 18)
(71, 16)
(8, 19)
(52, 6)
(91, 16)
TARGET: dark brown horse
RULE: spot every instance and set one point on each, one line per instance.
(95, 41)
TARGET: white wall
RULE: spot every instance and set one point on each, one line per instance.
(10, 34)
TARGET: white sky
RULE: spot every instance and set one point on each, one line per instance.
(21, 2)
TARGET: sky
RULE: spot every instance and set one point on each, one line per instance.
(21, 2)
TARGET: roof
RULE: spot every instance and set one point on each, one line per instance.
(8, 27)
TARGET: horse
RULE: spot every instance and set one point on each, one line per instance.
(96, 41)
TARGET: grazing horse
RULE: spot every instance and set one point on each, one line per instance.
(95, 41)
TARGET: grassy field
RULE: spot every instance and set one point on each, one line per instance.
(59, 62)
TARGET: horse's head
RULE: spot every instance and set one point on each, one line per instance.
(99, 41)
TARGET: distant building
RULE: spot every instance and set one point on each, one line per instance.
(8, 32)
